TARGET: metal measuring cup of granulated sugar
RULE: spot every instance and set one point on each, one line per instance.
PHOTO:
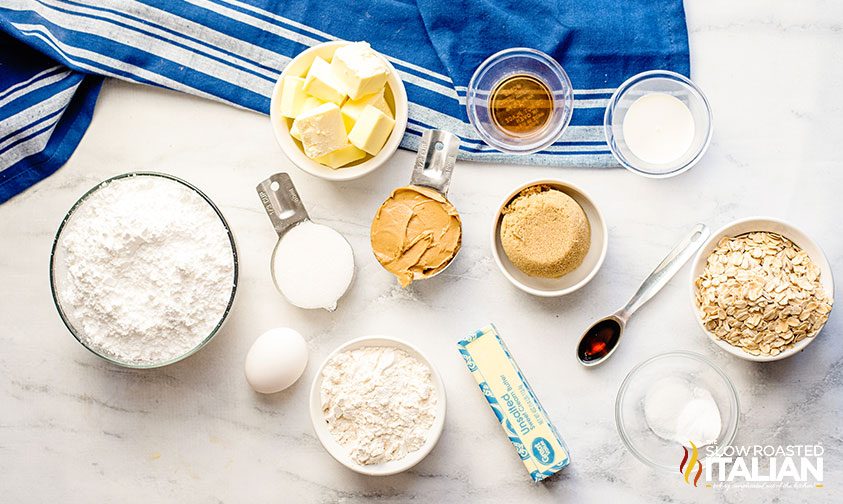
(416, 233)
(312, 264)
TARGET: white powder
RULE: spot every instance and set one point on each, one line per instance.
(677, 411)
(379, 403)
(145, 270)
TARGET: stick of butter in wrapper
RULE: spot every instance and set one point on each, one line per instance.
(514, 403)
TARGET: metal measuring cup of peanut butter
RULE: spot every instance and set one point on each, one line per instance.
(416, 233)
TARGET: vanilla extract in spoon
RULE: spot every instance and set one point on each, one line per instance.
(521, 105)
(601, 339)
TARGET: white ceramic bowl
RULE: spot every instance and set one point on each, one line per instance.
(749, 225)
(553, 287)
(395, 95)
(339, 452)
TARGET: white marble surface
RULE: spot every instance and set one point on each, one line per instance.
(74, 429)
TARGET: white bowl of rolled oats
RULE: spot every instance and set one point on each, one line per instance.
(761, 289)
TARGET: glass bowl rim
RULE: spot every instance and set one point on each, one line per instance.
(76, 206)
(734, 402)
(554, 66)
(621, 91)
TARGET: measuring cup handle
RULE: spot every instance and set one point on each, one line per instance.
(669, 266)
(435, 160)
(282, 202)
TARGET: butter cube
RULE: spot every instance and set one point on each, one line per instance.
(322, 83)
(371, 130)
(308, 104)
(341, 157)
(352, 109)
(292, 96)
(321, 130)
(360, 69)
(311, 103)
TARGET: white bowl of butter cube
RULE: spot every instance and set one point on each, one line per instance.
(339, 110)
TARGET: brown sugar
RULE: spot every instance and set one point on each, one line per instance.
(544, 232)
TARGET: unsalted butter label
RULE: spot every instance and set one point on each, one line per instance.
(514, 403)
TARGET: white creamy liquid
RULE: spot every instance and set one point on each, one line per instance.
(313, 266)
(658, 128)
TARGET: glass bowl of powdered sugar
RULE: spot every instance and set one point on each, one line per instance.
(676, 408)
(144, 270)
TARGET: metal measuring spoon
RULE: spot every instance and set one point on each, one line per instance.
(601, 340)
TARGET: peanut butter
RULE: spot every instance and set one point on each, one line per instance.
(416, 233)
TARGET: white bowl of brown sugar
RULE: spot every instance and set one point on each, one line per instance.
(549, 238)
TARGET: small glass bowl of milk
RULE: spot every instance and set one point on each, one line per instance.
(658, 124)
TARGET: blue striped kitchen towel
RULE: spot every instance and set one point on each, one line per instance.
(53, 54)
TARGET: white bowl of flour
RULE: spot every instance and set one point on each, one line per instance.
(144, 270)
(377, 405)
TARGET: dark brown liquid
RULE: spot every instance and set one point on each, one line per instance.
(599, 341)
(521, 105)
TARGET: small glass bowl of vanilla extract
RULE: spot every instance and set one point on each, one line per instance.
(520, 101)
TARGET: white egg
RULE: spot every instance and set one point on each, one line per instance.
(276, 360)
